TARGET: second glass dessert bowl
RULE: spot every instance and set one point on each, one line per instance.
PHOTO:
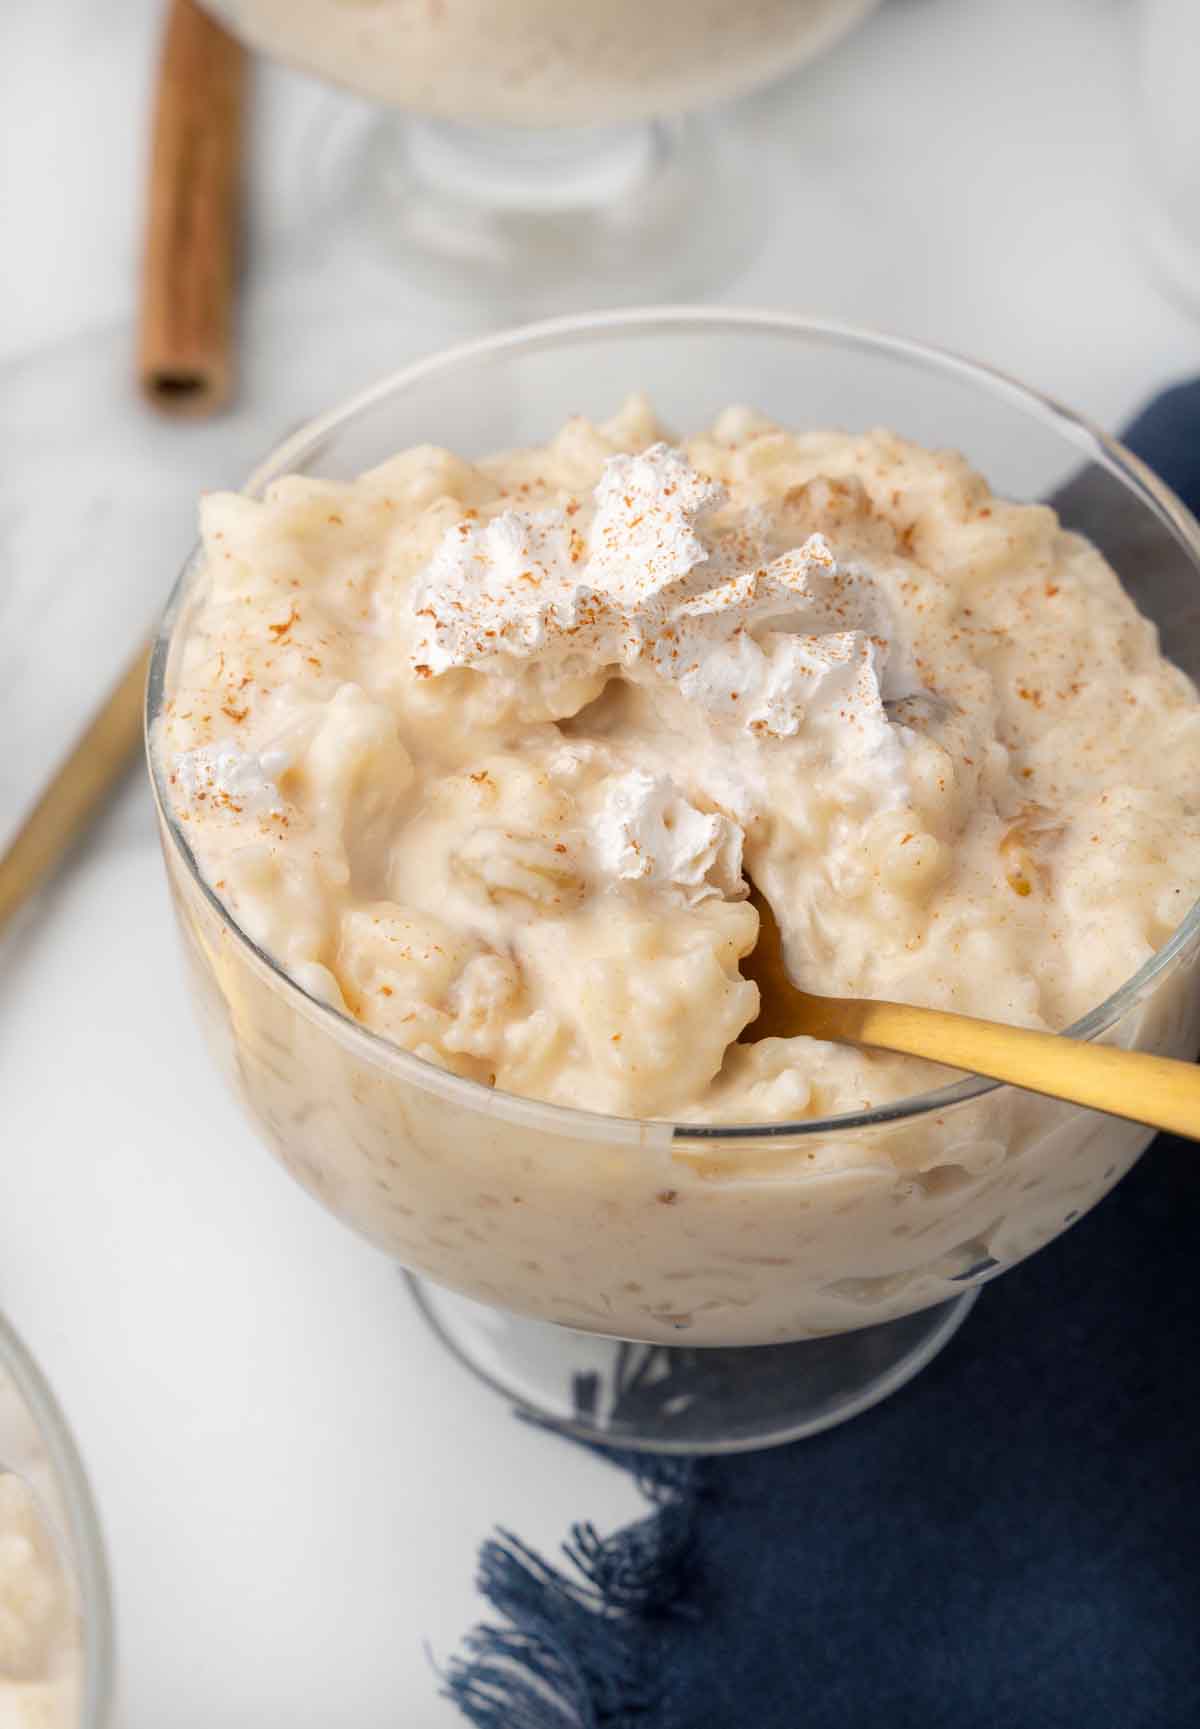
(674, 1285)
(535, 155)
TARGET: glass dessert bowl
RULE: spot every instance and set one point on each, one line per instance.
(56, 1654)
(685, 1285)
(534, 155)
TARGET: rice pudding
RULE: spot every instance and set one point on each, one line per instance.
(482, 756)
(40, 1642)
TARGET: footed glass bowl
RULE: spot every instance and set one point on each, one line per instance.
(657, 1284)
(536, 155)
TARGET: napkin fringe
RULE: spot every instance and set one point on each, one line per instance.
(563, 1657)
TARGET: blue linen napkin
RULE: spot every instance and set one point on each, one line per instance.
(1010, 1542)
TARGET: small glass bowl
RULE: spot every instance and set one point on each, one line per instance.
(671, 1285)
(36, 1446)
(535, 156)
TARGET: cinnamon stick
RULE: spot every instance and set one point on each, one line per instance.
(185, 353)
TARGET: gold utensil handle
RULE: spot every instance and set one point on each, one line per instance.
(77, 789)
(1159, 1091)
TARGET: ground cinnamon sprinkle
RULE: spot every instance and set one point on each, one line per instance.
(643, 609)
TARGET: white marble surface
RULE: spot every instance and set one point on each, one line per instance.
(292, 1478)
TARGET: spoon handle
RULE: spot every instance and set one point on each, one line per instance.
(77, 790)
(1159, 1091)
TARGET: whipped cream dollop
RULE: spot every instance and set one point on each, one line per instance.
(647, 831)
(657, 587)
(223, 774)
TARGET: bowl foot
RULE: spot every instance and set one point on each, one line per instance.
(680, 1399)
(526, 224)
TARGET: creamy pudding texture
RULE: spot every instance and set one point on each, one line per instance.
(483, 754)
(39, 1623)
(543, 63)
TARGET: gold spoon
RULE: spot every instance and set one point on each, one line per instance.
(1158, 1091)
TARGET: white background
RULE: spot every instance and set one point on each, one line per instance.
(293, 1480)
